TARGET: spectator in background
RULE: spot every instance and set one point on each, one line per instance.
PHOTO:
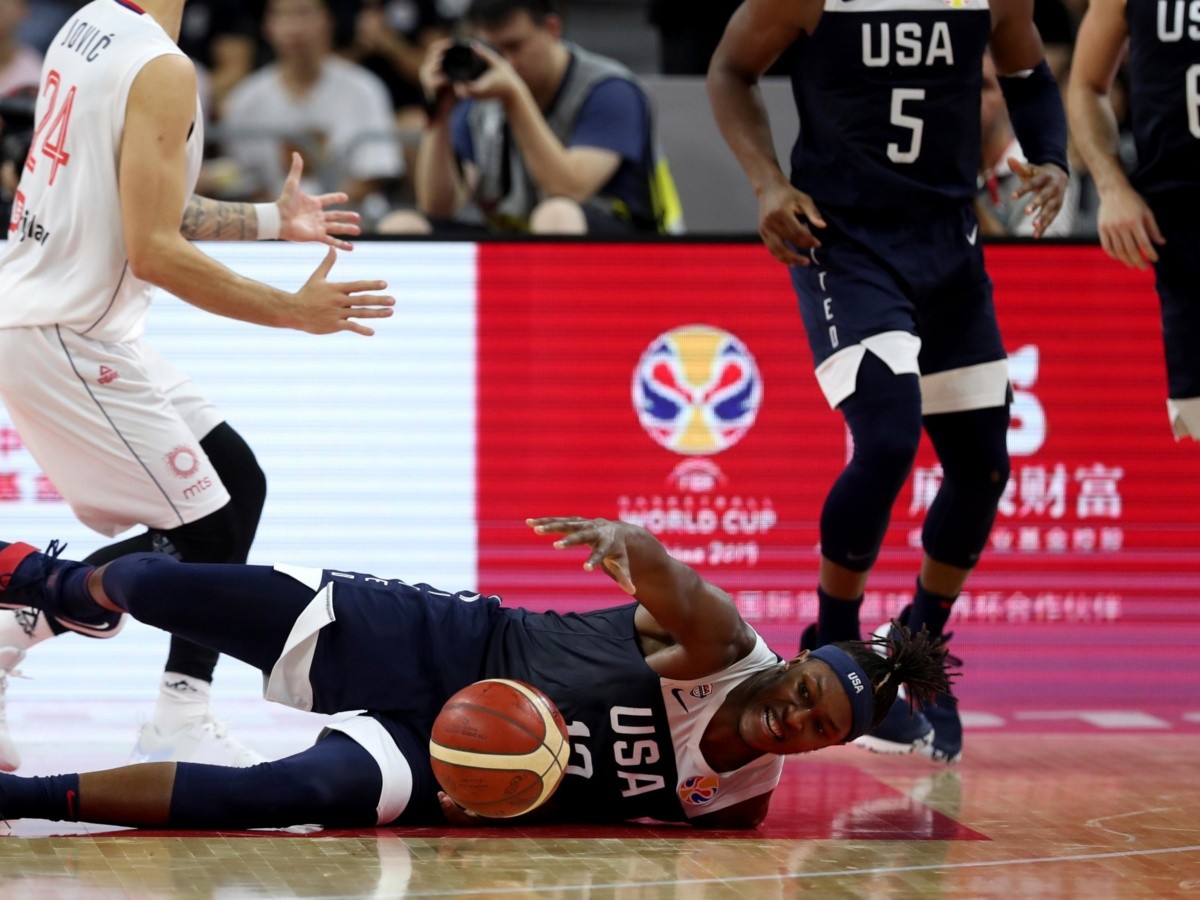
(20, 64)
(335, 113)
(390, 39)
(546, 137)
(45, 18)
(999, 210)
(221, 37)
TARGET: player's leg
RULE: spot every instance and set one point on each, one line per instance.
(860, 327)
(965, 396)
(1177, 280)
(336, 782)
(181, 727)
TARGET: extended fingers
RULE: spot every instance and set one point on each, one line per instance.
(358, 287)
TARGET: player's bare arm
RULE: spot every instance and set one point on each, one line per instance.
(300, 217)
(757, 34)
(577, 173)
(1021, 64)
(152, 176)
(1127, 227)
(701, 630)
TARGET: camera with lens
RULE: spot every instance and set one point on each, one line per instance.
(461, 63)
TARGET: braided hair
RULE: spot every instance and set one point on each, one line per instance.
(916, 660)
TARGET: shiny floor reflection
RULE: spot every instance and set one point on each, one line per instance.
(1024, 815)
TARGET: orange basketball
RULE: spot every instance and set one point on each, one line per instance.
(499, 748)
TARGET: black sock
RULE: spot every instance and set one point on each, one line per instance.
(55, 797)
(929, 609)
(837, 620)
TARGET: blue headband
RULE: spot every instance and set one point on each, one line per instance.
(855, 683)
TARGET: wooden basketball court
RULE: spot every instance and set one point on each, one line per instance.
(1072, 813)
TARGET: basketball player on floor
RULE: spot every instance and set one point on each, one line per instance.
(101, 215)
(676, 709)
(877, 227)
(1154, 218)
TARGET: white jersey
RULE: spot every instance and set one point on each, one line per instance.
(65, 262)
(690, 707)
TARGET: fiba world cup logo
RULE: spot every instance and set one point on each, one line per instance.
(697, 390)
(699, 789)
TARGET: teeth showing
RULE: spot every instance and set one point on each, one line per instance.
(772, 724)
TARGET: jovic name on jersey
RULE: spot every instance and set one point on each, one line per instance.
(1164, 88)
(65, 262)
(888, 97)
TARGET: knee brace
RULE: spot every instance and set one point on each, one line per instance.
(972, 447)
(884, 417)
(212, 539)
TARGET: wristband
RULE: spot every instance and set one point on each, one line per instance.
(1036, 110)
(270, 222)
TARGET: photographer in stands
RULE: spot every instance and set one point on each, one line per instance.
(540, 135)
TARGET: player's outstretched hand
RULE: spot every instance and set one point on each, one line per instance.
(1045, 186)
(1128, 229)
(323, 307)
(607, 540)
(307, 218)
(786, 218)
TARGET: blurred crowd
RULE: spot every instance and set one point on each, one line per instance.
(340, 82)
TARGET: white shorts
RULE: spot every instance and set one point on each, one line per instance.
(114, 426)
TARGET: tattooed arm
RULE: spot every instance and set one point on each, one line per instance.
(218, 220)
(300, 216)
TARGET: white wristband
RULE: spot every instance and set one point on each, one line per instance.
(269, 221)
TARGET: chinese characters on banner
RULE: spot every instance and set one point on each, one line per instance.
(672, 387)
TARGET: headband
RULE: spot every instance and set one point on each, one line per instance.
(855, 683)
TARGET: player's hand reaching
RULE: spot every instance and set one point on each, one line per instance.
(1045, 186)
(607, 540)
(308, 218)
(323, 306)
(1128, 229)
(786, 217)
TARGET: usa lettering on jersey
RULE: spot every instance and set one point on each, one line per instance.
(638, 748)
(906, 44)
(1177, 19)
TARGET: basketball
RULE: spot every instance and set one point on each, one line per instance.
(499, 748)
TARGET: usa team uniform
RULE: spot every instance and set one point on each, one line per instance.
(113, 424)
(1164, 102)
(393, 654)
(888, 97)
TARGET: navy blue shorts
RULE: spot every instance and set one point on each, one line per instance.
(1178, 284)
(397, 648)
(888, 279)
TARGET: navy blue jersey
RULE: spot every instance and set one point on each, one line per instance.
(622, 762)
(1164, 93)
(888, 97)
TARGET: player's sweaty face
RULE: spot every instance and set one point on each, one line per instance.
(797, 708)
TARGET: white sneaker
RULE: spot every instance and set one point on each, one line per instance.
(10, 657)
(206, 742)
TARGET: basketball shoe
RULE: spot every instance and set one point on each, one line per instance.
(30, 578)
(901, 731)
(947, 740)
(203, 742)
(10, 759)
